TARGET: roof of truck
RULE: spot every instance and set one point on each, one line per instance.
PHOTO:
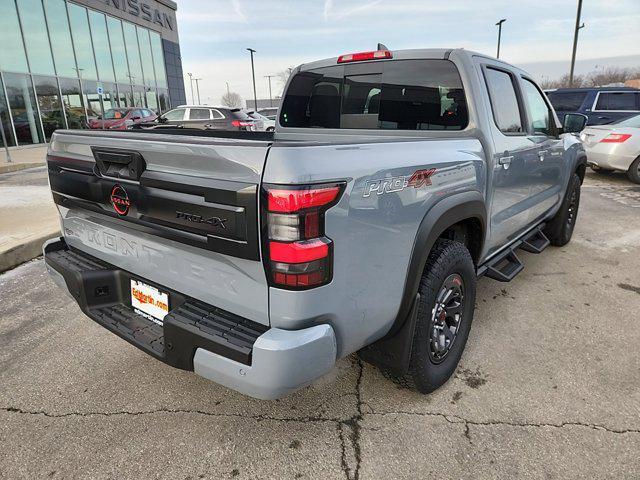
(408, 54)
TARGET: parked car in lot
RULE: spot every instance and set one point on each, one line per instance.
(121, 118)
(259, 261)
(601, 105)
(270, 112)
(614, 147)
(204, 118)
(263, 124)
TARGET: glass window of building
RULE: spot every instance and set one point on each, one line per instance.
(133, 52)
(72, 102)
(147, 59)
(82, 40)
(101, 46)
(92, 99)
(158, 59)
(12, 59)
(48, 97)
(24, 110)
(118, 51)
(60, 35)
(152, 100)
(110, 96)
(139, 97)
(6, 134)
(35, 36)
(124, 96)
(163, 97)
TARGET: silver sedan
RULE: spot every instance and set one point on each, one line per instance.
(614, 147)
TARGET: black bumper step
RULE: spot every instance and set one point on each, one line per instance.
(102, 292)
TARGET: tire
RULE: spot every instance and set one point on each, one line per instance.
(448, 260)
(634, 171)
(560, 229)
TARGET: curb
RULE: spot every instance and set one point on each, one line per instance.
(15, 167)
(25, 251)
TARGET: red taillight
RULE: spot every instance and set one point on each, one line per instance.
(241, 123)
(298, 254)
(286, 201)
(615, 138)
(362, 56)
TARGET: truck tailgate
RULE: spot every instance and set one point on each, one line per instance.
(179, 211)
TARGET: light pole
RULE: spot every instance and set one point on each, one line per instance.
(270, 100)
(499, 24)
(227, 87)
(575, 42)
(191, 82)
(198, 88)
(253, 74)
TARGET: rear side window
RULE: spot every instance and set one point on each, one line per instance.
(240, 114)
(504, 101)
(618, 101)
(396, 95)
(216, 115)
(566, 101)
(199, 114)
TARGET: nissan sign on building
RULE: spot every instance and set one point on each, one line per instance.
(64, 63)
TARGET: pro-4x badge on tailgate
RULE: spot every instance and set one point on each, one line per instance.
(192, 217)
(120, 200)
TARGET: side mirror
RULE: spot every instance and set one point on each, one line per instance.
(574, 123)
(162, 120)
(135, 118)
(99, 117)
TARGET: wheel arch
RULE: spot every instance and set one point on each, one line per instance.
(392, 352)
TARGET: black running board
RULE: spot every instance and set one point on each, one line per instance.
(536, 242)
(506, 266)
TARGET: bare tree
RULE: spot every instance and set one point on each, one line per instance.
(232, 100)
(599, 78)
(596, 78)
(283, 76)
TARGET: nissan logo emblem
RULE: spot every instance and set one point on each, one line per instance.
(120, 200)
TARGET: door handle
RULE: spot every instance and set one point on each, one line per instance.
(505, 161)
(541, 154)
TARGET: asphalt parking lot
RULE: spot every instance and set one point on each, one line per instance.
(549, 386)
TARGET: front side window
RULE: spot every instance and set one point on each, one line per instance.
(504, 101)
(395, 95)
(566, 101)
(199, 114)
(173, 115)
(538, 109)
(618, 101)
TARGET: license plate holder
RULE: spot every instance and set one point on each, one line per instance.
(148, 301)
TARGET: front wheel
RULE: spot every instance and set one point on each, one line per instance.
(560, 229)
(445, 312)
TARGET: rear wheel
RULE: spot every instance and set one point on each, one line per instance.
(634, 171)
(445, 312)
(560, 229)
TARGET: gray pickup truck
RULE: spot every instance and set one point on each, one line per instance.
(393, 181)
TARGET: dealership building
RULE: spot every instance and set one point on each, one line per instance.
(65, 62)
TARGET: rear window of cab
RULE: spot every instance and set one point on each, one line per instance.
(388, 95)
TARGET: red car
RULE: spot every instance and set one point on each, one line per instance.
(122, 118)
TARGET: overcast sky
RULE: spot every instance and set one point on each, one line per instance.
(214, 34)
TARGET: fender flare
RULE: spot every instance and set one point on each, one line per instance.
(393, 351)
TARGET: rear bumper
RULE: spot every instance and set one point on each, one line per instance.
(251, 358)
(608, 158)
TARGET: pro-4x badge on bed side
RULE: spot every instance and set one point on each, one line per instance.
(419, 178)
(120, 200)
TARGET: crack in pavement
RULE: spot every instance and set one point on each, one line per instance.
(168, 410)
(466, 422)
